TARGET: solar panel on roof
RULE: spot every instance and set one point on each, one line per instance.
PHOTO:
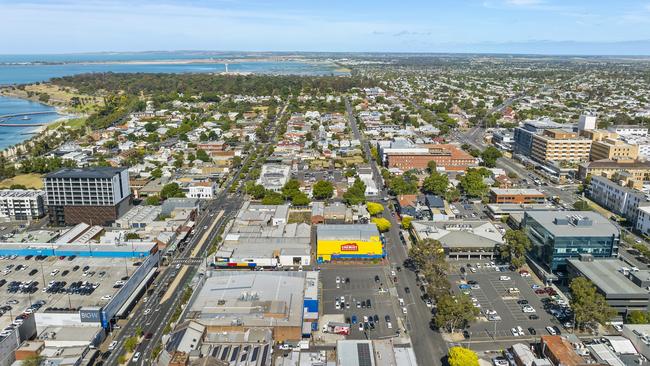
(363, 352)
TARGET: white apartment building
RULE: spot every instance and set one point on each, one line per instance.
(274, 176)
(643, 142)
(21, 204)
(643, 220)
(620, 200)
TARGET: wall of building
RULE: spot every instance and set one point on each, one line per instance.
(328, 250)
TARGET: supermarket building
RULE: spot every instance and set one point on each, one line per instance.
(340, 242)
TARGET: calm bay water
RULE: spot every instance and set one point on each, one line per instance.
(23, 69)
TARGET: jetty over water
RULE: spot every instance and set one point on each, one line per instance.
(25, 114)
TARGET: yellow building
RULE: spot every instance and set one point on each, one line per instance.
(358, 241)
(613, 149)
(560, 145)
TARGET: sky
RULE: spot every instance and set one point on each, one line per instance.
(501, 26)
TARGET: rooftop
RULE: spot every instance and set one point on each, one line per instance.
(95, 172)
(605, 274)
(517, 191)
(574, 223)
(460, 234)
(363, 232)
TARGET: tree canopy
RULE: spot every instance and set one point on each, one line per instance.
(356, 194)
(454, 312)
(490, 156)
(436, 183)
(588, 305)
(171, 190)
(460, 356)
(374, 208)
(515, 247)
(383, 225)
(472, 182)
(323, 190)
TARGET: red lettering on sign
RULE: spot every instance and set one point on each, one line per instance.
(349, 247)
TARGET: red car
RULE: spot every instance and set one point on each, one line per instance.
(148, 335)
(540, 291)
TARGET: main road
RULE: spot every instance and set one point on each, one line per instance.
(152, 316)
(429, 346)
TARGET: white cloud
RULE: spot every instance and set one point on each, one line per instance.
(524, 2)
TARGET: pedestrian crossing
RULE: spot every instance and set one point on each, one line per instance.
(188, 260)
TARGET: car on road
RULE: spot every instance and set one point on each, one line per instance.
(404, 311)
(147, 311)
(148, 335)
(136, 357)
(112, 345)
(407, 289)
(338, 279)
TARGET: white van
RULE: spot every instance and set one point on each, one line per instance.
(513, 290)
(401, 301)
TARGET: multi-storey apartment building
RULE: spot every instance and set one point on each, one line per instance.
(523, 135)
(92, 195)
(617, 198)
(411, 156)
(639, 170)
(610, 148)
(560, 145)
(628, 130)
(21, 204)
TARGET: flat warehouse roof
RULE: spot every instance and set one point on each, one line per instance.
(605, 275)
(362, 232)
(563, 223)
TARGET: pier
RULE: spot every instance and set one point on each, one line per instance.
(25, 114)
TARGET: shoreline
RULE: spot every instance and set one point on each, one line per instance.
(176, 61)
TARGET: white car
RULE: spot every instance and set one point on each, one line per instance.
(404, 310)
(136, 356)
(551, 331)
(112, 345)
(473, 270)
(520, 330)
(107, 297)
(338, 279)
(147, 311)
(338, 305)
(365, 318)
(53, 273)
(528, 309)
(429, 303)
(389, 325)
(360, 326)
(514, 332)
(504, 278)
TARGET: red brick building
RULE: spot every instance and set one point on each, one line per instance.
(446, 156)
(520, 196)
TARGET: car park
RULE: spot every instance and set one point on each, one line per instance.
(551, 331)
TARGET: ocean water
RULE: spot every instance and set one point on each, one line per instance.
(12, 135)
(23, 69)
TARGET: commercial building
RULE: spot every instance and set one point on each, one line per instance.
(378, 352)
(21, 204)
(560, 145)
(497, 211)
(523, 135)
(461, 239)
(93, 195)
(405, 155)
(639, 170)
(518, 196)
(560, 351)
(557, 236)
(639, 335)
(237, 301)
(203, 190)
(356, 241)
(611, 278)
(613, 149)
(261, 237)
(503, 139)
(274, 176)
(641, 142)
(617, 198)
(587, 122)
(629, 130)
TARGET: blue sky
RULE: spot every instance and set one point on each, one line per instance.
(518, 26)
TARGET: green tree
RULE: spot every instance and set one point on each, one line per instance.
(472, 183)
(130, 344)
(203, 156)
(515, 247)
(291, 188)
(132, 236)
(452, 195)
(272, 198)
(17, 186)
(454, 312)
(152, 200)
(356, 194)
(435, 183)
(427, 251)
(300, 199)
(374, 208)
(460, 356)
(150, 127)
(588, 305)
(138, 331)
(110, 144)
(403, 184)
(156, 173)
(257, 191)
(490, 156)
(323, 190)
(431, 166)
(638, 317)
(383, 224)
(171, 190)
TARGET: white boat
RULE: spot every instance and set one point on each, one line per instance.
(25, 118)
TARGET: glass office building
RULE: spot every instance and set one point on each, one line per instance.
(559, 235)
